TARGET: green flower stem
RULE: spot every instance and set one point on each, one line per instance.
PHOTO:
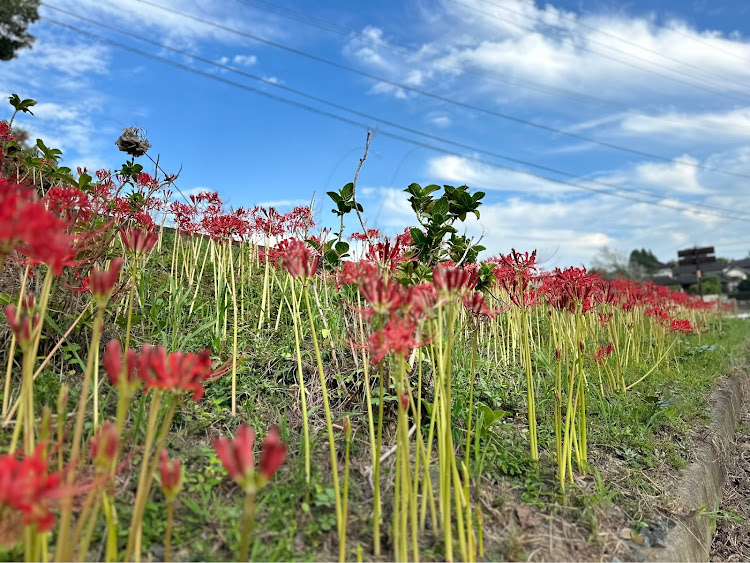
(168, 533)
(64, 547)
(234, 332)
(345, 507)
(141, 493)
(110, 515)
(374, 451)
(12, 350)
(296, 322)
(471, 394)
(377, 503)
(248, 521)
(327, 408)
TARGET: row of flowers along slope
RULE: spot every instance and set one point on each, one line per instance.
(406, 309)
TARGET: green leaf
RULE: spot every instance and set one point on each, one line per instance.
(347, 191)
(335, 197)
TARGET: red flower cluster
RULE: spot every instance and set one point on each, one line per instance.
(453, 279)
(26, 485)
(396, 337)
(297, 259)
(156, 369)
(176, 371)
(681, 325)
(603, 353)
(27, 226)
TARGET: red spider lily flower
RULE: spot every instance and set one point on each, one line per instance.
(102, 282)
(681, 325)
(579, 286)
(422, 300)
(386, 253)
(105, 445)
(27, 226)
(370, 234)
(395, 337)
(476, 304)
(237, 456)
(604, 318)
(27, 486)
(357, 272)
(139, 240)
(452, 279)
(272, 455)
(122, 377)
(658, 313)
(171, 475)
(297, 259)
(382, 295)
(603, 353)
(176, 371)
(69, 203)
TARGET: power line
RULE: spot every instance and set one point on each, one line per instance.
(700, 86)
(708, 44)
(397, 136)
(618, 38)
(341, 107)
(408, 50)
(438, 97)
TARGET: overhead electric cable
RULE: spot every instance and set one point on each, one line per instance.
(721, 88)
(402, 138)
(595, 29)
(341, 107)
(438, 97)
(486, 74)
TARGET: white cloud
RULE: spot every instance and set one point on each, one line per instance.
(463, 170)
(174, 28)
(732, 124)
(672, 177)
(510, 38)
(245, 60)
(440, 120)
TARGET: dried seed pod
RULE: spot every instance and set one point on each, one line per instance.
(133, 142)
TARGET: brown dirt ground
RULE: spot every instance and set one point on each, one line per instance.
(732, 539)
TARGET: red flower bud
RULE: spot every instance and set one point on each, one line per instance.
(272, 455)
(102, 283)
(120, 376)
(237, 456)
(558, 353)
(404, 400)
(582, 345)
(105, 444)
(171, 475)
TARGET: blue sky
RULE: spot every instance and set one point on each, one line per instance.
(663, 77)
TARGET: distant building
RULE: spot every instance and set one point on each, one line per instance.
(731, 274)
